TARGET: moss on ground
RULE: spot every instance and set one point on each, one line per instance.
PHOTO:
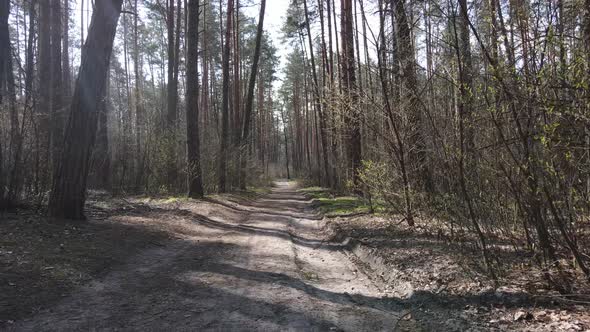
(315, 192)
(331, 204)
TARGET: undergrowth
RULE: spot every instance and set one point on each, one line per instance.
(331, 204)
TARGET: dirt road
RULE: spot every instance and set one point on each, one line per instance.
(266, 268)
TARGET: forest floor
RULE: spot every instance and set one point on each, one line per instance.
(246, 262)
(416, 263)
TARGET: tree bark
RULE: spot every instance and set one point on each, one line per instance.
(102, 150)
(57, 105)
(171, 90)
(236, 107)
(195, 179)
(82, 22)
(205, 68)
(65, 55)
(4, 47)
(5, 54)
(250, 96)
(587, 48)
(225, 100)
(139, 108)
(317, 96)
(466, 83)
(44, 104)
(408, 80)
(398, 147)
(286, 142)
(68, 194)
(348, 83)
(465, 159)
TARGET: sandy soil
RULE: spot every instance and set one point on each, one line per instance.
(232, 262)
(448, 279)
(261, 264)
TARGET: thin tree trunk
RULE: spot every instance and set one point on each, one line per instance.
(330, 48)
(14, 186)
(399, 148)
(225, 100)
(44, 105)
(250, 95)
(466, 82)
(82, 22)
(205, 68)
(317, 96)
(58, 112)
(172, 95)
(463, 51)
(408, 80)
(139, 108)
(587, 48)
(195, 179)
(5, 71)
(286, 143)
(171, 106)
(102, 151)
(65, 59)
(126, 113)
(348, 83)
(236, 108)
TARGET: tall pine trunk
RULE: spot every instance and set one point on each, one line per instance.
(171, 88)
(43, 107)
(408, 80)
(139, 108)
(68, 194)
(317, 98)
(348, 83)
(5, 54)
(195, 179)
(225, 100)
(102, 150)
(171, 97)
(250, 97)
(65, 55)
(58, 110)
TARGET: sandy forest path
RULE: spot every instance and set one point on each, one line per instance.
(268, 268)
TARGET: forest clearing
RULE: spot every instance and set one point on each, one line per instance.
(307, 165)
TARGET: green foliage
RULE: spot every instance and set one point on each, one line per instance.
(330, 204)
(343, 205)
(381, 184)
(316, 192)
(164, 153)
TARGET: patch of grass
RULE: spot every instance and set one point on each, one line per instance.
(343, 205)
(332, 205)
(317, 192)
